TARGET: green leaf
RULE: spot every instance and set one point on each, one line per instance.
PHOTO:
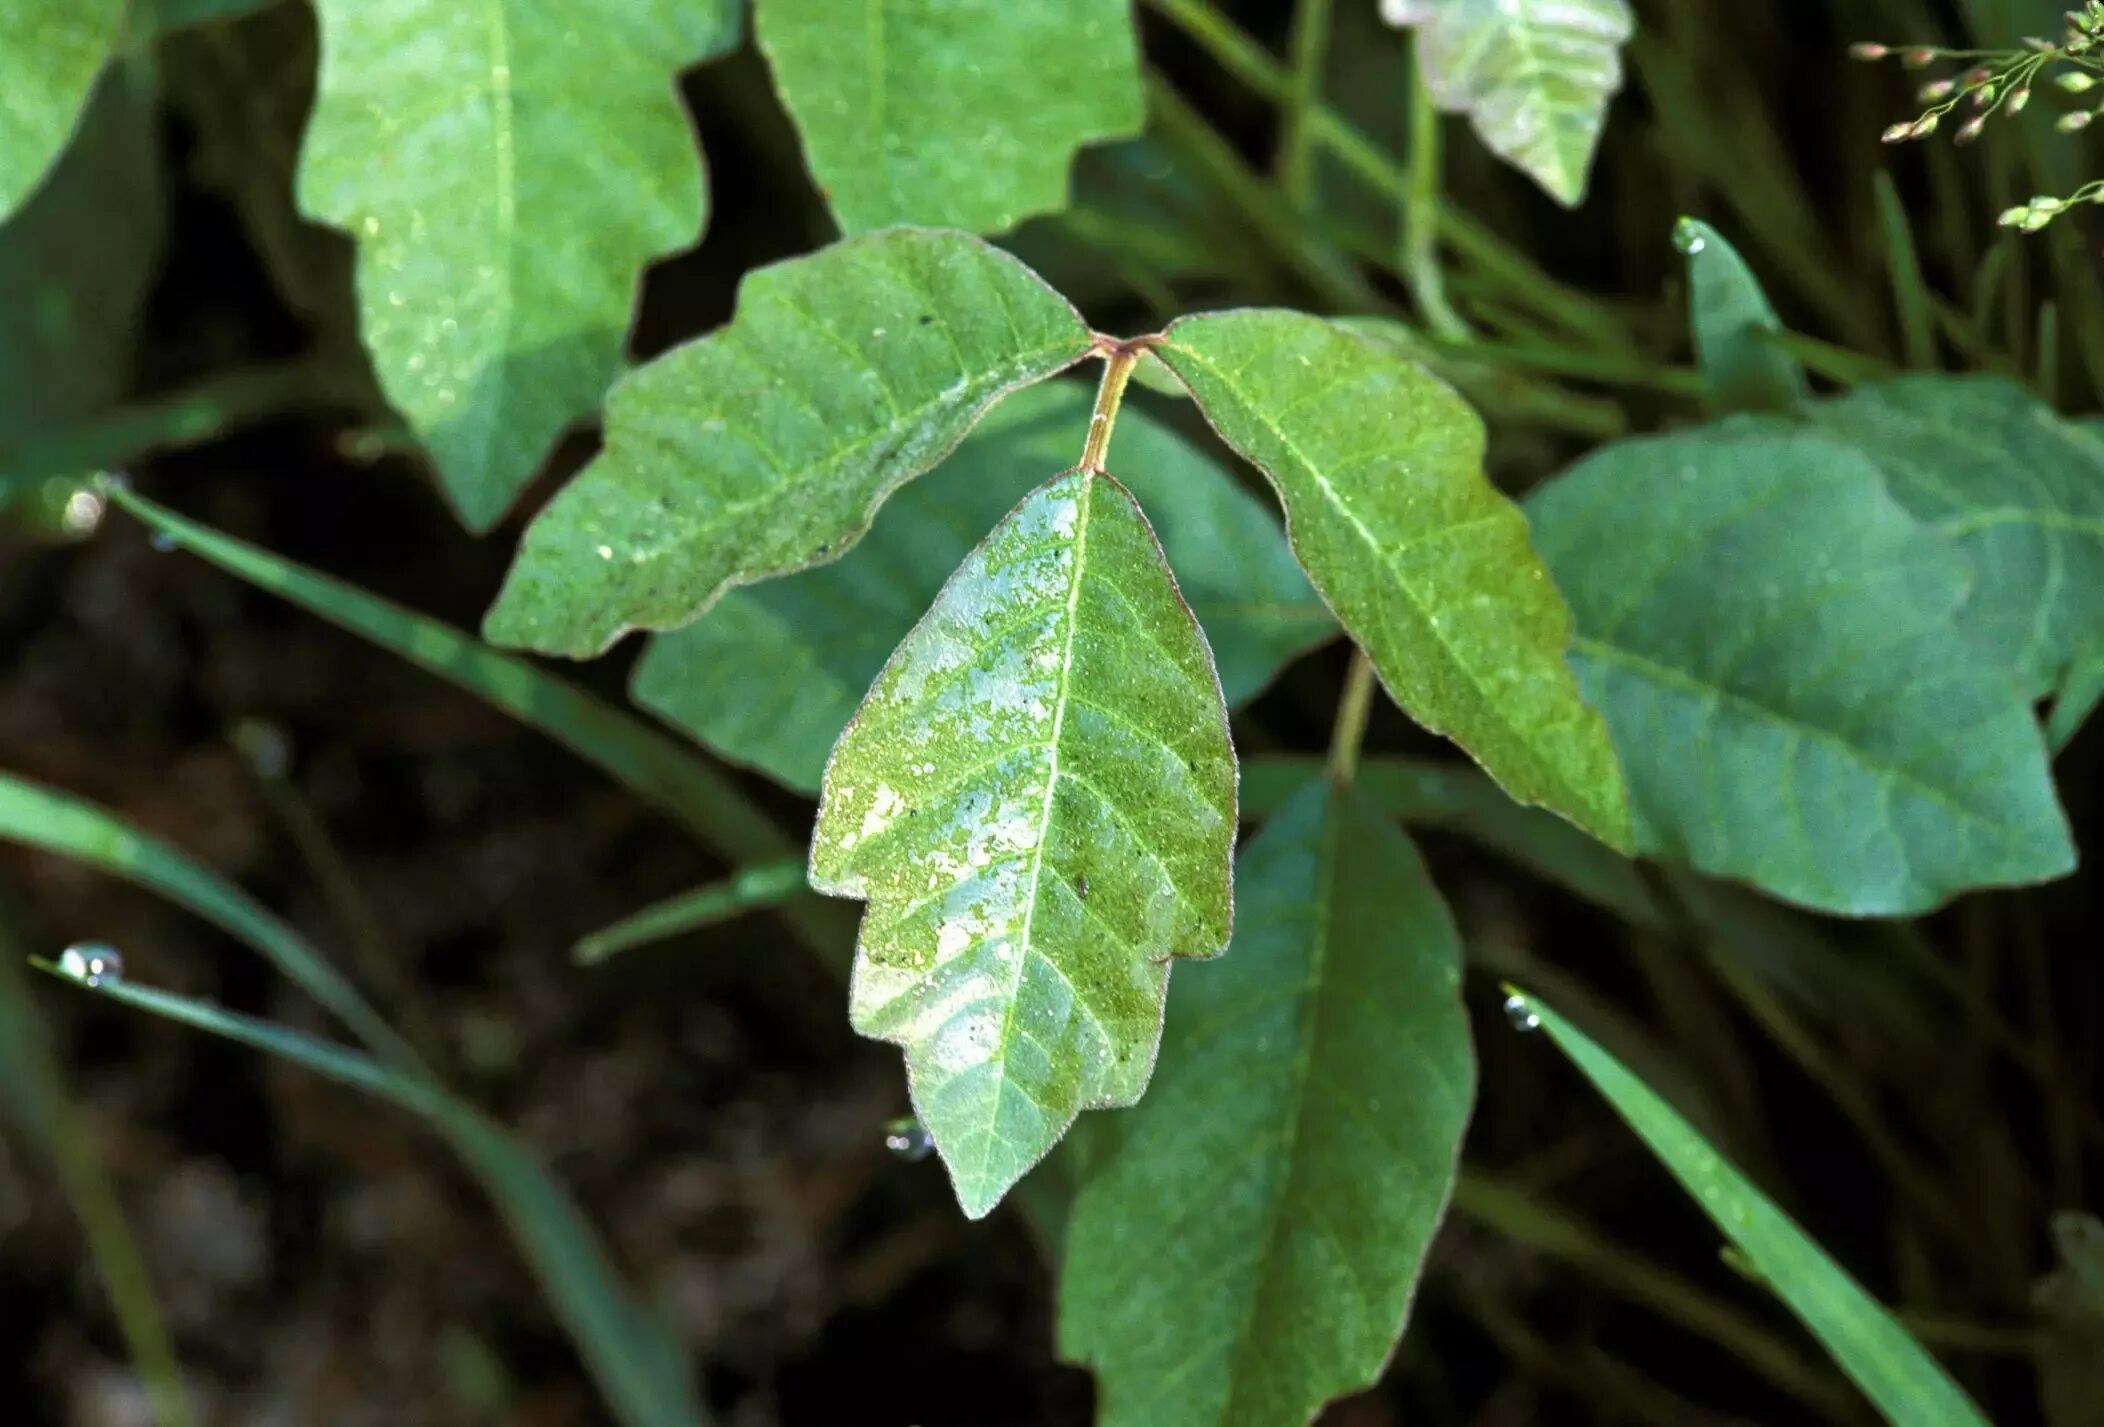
(2076, 700)
(507, 169)
(1534, 76)
(771, 675)
(1773, 644)
(1380, 468)
(2018, 492)
(1733, 324)
(176, 14)
(957, 116)
(1037, 800)
(638, 1367)
(1893, 1370)
(769, 884)
(50, 54)
(769, 445)
(1251, 1247)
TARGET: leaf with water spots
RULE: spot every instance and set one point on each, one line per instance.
(1037, 800)
(1250, 1248)
(961, 116)
(506, 168)
(50, 54)
(1734, 327)
(768, 446)
(1380, 468)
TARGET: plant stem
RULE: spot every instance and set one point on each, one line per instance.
(1352, 711)
(1117, 371)
(1310, 45)
(1420, 256)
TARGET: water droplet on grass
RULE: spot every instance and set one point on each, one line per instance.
(908, 1138)
(1521, 1014)
(92, 963)
(161, 541)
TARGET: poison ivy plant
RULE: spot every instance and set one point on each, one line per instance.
(1250, 1248)
(50, 54)
(1380, 469)
(1037, 800)
(1733, 324)
(506, 170)
(1777, 652)
(769, 445)
(961, 116)
(771, 675)
(1534, 76)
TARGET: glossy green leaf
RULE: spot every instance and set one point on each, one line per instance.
(958, 116)
(639, 1368)
(1380, 469)
(1893, 1370)
(1037, 800)
(1251, 1247)
(1774, 646)
(771, 675)
(1534, 76)
(506, 169)
(1733, 324)
(2018, 491)
(50, 54)
(769, 445)
(750, 889)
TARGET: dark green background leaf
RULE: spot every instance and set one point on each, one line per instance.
(1731, 321)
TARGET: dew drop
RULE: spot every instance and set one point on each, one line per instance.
(908, 1138)
(92, 963)
(161, 541)
(1687, 236)
(1520, 1013)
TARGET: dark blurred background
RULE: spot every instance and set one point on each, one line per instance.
(323, 1261)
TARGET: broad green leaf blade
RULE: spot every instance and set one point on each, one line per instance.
(1037, 800)
(1733, 324)
(639, 1369)
(50, 54)
(748, 890)
(1893, 1370)
(59, 823)
(769, 445)
(957, 116)
(506, 168)
(1533, 76)
(771, 675)
(1380, 469)
(1773, 644)
(1251, 1247)
(2018, 492)
(176, 14)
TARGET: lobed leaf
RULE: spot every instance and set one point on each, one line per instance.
(1533, 76)
(1733, 325)
(1380, 469)
(1252, 1244)
(771, 675)
(1037, 800)
(956, 116)
(50, 54)
(506, 168)
(1774, 646)
(768, 446)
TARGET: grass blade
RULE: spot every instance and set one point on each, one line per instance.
(769, 884)
(1910, 294)
(1868, 1343)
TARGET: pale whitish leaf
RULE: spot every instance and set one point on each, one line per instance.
(2019, 493)
(1534, 76)
(1380, 468)
(506, 168)
(1733, 324)
(772, 673)
(1893, 1370)
(768, 446)
(50, 53)
(1774, 645)
(1250, 1248)
(963, 116)
(1038, 802)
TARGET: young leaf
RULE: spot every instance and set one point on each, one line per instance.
(506, 169)
(1774, 647)
(1380, 468)
(1893, 1370)
(771, 675)
(956, 116)
(50, 53)
(1250, 1249)
(2076, 700)
(769, 445)
(1534, 76)
(2018, 492)
(1037, 800)
(1732, 321)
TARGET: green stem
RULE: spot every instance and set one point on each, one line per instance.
(1120, 359)
(1420, 256)
(1296, 154)
(1352, 711)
